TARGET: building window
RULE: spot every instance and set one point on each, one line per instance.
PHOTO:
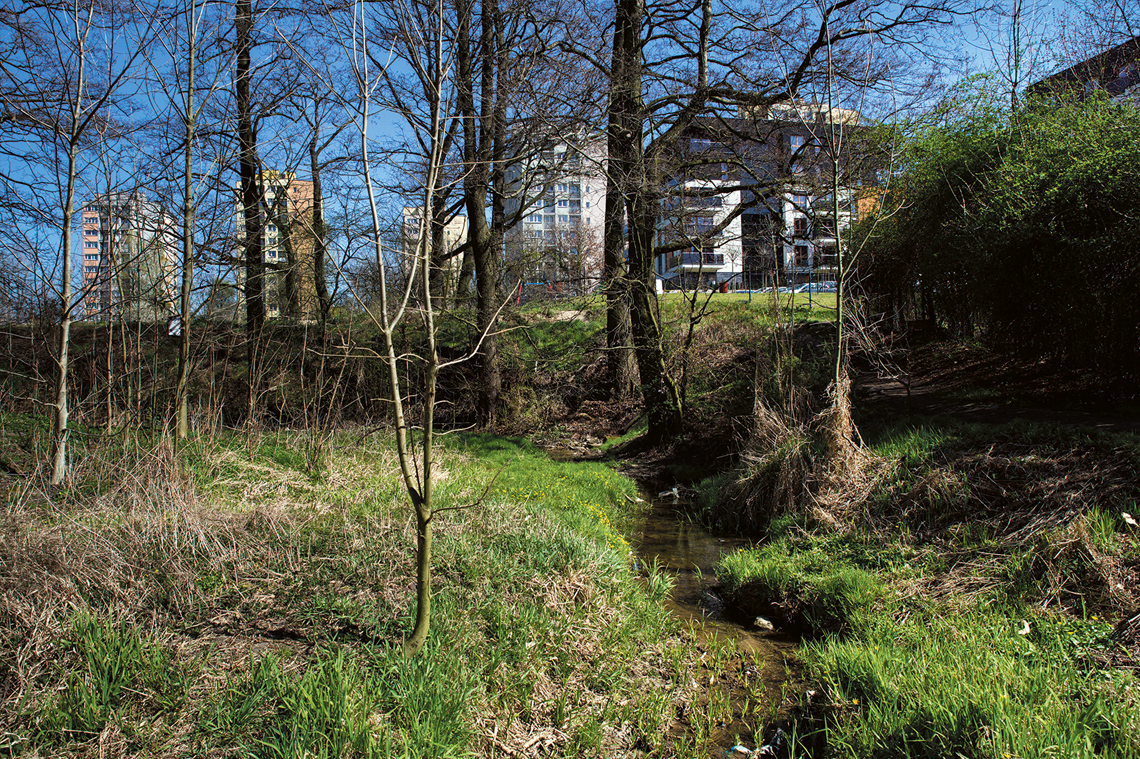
(697, 144)
(91, 243)
(575, 190)
(699, 225)
(563, 218)
(800, 226)
(796, 142)
(802, 256)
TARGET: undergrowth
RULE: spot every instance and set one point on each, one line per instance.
(223, 599)
(960, 608)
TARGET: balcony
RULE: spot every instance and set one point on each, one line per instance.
(692, 261)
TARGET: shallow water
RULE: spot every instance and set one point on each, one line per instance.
(764, 668)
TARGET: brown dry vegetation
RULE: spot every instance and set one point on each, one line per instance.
(224, 557)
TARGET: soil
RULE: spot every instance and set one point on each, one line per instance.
(971, 382)
(946, 378)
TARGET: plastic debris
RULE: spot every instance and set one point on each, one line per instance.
(738, 750)
(763, 623)
(777, 747)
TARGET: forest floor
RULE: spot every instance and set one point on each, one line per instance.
(975, 384)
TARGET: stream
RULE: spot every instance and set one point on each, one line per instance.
(756, 679)
(756, 682)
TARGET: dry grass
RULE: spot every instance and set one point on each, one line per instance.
(1023, 514)
(139, 542)
(849, 473)
(129, 551)
(799, 457)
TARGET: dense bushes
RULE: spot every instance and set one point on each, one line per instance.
(1022, 229)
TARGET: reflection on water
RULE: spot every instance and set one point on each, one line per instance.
(689, 553)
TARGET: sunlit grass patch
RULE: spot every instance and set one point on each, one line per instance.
(943, 685)
(282, 601)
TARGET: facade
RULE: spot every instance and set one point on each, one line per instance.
(561, 198)
(129, 249)
(1116, 72)
(750, 205)
(287, 244)
(454, 235)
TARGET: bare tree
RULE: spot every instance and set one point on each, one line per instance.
(69, 67)
(675, 62)
(187, 92)
(418, 37)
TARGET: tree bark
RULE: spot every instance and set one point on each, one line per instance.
(621, 363)
(254, 285)
(182, 425)
(477, 156)
(636, 182)
(320, 243)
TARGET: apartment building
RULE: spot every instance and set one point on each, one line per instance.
(129, 249)
(287, 244)
(1115, 71)
(454, 235)
(561, 199)
(750, 202)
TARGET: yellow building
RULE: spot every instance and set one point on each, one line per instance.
(288, 243)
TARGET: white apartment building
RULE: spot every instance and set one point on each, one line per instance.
(693, 209)
(562, 199)
(788, 236)
(129, 250)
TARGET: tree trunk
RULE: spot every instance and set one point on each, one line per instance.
(320, 243)
(636, 184)
(658, 391)
(254, 286)
(621, 364)
(182, 425)
(289, 298)
(476, 186)
(60, 431)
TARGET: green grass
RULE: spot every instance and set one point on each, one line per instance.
(815, 590)
(941, 685)
(281, 602)
(328, 709)
(938, 629)
(897, 675)
(738, 308)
